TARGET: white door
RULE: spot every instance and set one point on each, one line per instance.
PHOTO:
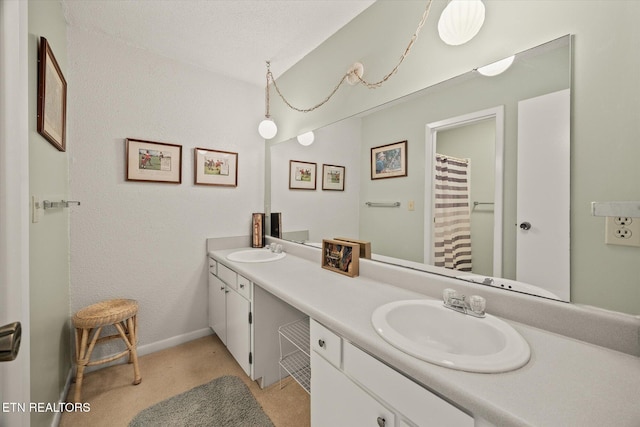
(239, 329)
(543, 192)
(14, 204)
(217, 307)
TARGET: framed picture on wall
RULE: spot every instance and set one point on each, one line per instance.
(302, 175)
(52, 98)
(153, 161)
(389, 161)
(341, 257)
(333, 177)
(215, 167)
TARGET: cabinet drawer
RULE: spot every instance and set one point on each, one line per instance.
(326, 343)
(228, 276)
(213, 266)
(414, 402)
(244, 287)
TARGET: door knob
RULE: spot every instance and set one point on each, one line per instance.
(10, 336)
(525, 225)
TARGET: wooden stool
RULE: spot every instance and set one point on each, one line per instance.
(121, 313)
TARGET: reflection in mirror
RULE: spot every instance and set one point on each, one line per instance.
(430, 121)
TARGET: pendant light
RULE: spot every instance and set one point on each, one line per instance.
(497, 67)
(306, 138)
(460, 21)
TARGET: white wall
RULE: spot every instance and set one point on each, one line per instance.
(332, 213)
(143, 240)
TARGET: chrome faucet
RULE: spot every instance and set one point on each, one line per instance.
(474, 307)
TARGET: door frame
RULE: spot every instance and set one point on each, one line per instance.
(14, 200)
(432, 129)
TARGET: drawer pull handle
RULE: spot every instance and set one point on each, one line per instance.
(241, 286)
(381, 422)
(321, 343)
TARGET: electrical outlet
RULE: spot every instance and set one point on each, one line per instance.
(411, 205)
(624, 231)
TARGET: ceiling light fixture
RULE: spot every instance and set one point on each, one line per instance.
(460, 21)
(306, 138)
(353, 76)
(497, 67)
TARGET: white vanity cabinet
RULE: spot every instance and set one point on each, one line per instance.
(350, 387)
(246, 319)
(230, 312)
(239, 329)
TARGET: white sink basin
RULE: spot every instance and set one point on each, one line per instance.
(255, 255)
(431, 332)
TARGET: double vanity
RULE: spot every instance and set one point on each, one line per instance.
(383, 353)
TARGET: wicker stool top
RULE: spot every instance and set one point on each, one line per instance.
(105, 313)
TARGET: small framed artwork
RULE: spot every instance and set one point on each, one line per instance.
(153, 161)
(52, 98)
(302, 175)
(333, 177)
(341, 257)
(215, 167)
(389, 161)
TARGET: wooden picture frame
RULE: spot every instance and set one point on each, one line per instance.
(153, 161)
(389, 161)
(215, 167)
(52, 98)
(333, 177)
(302, 175)
(365, 246)
(341, 257)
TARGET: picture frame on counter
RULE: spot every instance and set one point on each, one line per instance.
(52, 98)
(153, 161)
(364, 245)
(215, 167)
(389, 161)
(341, 257)
(333, 177)
(302, 175)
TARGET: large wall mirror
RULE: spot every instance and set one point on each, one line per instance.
(478, 125)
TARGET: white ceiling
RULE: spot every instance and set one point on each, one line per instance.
(233, 38)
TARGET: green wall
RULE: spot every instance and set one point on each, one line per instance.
(605, 103)
(48, 238)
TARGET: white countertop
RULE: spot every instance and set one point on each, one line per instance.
(566, 382)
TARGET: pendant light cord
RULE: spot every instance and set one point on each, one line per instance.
(368, 85)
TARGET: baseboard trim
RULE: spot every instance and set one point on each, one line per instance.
(156, 346)
(55, 422)
(173, 341)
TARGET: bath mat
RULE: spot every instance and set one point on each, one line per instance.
(224, 402)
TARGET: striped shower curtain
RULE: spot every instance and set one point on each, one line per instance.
(452, 220)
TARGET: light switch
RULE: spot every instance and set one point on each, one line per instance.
(36, 209)
(412, 205)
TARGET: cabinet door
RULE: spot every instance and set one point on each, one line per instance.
(217, 308)
(239, 329)
(336, 401)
